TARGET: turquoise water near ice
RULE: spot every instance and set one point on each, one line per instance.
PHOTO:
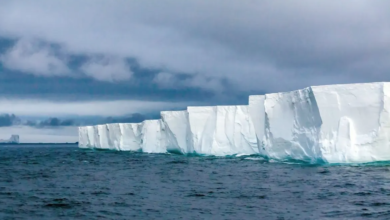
(65, 182)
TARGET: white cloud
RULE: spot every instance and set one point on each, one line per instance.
(32, 57)
(107, 69)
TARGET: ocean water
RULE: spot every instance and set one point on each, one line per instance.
(64, 182)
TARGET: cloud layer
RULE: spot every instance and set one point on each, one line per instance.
(253, 45)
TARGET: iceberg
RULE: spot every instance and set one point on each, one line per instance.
(332, 124)
(14, 139)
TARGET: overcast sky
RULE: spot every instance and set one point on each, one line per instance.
(102, 58)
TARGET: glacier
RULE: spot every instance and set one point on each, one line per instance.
(348, 123)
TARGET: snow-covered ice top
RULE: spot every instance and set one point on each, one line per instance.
(334, 124)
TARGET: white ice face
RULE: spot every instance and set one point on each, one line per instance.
(114, 136)
(222, 130)
(176, 132)
(83, 137)
(291, 125)
(334, 124)
(145, 136)
(130, 138)
(151, 134)
(356, 123)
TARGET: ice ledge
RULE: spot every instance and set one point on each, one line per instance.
(335, 124)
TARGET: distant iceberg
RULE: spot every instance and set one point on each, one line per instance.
(14, 139)
(333, 124)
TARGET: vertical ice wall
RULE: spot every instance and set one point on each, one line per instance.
(145, 136)
(114, 136)
(202, 126)
(257, 116)
(218, 130)
(151, 137)
(102, 131)
(355, 122)
(335, 124)
(90, 136)
(96, 137)
(177, 133)
(131, 136)
(234, 129)
(382, 142)
(222, 130)
(83, 137)
(292, 125)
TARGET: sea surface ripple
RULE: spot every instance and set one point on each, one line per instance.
(64, 182)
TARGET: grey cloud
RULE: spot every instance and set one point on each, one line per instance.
(175, 81)
(34, 57)
(133, 118)
(56, 122)
(9, 120)
(252, 44)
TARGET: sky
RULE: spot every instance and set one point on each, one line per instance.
(70, 63)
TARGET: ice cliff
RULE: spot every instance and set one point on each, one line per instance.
(217, 130)
(334, 124)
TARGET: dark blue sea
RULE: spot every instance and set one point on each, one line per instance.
(64, 182)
